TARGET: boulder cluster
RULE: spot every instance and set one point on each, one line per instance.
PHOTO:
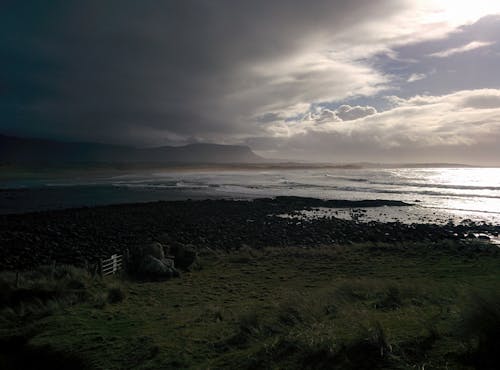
(155, 261)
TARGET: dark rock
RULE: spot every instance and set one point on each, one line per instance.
(76, 235)
(185, 255)
(155, 268)
(155, 249)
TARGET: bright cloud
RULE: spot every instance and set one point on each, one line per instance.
(459, 125)
(416, 77)
(343, 113)
(462, 49)
(457, 12)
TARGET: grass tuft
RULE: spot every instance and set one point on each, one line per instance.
(480, 328)
(116, 294)
(389, 299)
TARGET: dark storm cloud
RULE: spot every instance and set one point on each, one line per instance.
(271, 117)
(292, 78)
(115, 70)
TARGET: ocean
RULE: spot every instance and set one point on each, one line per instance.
(438, 194)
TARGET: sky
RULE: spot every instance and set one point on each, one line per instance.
(337, 81)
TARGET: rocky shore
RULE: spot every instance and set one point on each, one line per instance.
(79, 236)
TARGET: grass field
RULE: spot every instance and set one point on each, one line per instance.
(394, 306)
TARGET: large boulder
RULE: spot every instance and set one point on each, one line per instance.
(155, 249)
(148, 261)
(157, 269)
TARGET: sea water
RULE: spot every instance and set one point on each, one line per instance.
(438, 194)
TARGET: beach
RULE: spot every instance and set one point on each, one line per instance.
(280, 281)
(266, 291)
(81, 235)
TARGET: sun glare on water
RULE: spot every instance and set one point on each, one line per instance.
(484, 183)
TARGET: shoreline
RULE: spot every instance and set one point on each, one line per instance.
(261, 286)
(437, 194)
(81, 235)
(47, 199)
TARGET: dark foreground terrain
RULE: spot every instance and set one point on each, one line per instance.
(78, 236)
(266, 292)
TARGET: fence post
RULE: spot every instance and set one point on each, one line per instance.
(53, 269)
(115, 266)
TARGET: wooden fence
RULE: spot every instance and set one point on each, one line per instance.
(111, 265)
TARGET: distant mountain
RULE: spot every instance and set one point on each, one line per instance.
(28, 150)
